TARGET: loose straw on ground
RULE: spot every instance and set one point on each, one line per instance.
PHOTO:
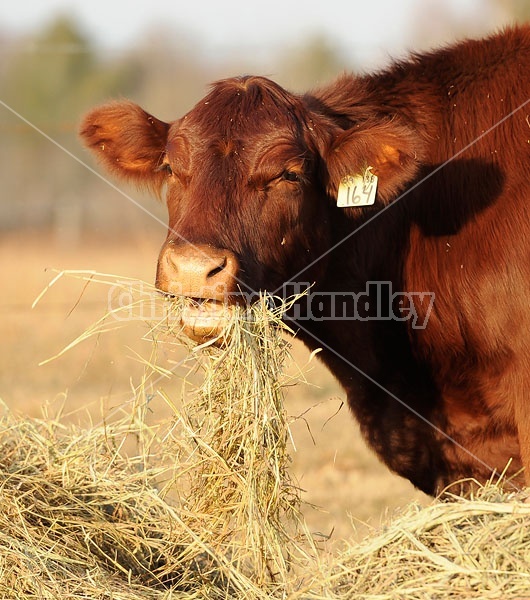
(202, 506)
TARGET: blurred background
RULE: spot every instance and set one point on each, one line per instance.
(58, 59)
(61, 57)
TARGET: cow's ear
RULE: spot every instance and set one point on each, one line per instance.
(127, 140)
(392, 150)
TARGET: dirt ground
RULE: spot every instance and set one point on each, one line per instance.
(339, 475)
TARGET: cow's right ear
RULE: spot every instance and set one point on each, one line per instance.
(127, 140)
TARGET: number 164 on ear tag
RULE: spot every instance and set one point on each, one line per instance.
(357, 190)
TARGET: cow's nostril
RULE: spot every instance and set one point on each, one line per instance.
(197, 271)
(217, 269)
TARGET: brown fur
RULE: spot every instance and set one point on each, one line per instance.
(255, 171)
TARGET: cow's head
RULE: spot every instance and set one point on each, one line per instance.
(251, 176)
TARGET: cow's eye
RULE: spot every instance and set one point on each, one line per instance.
(290, 176)
(165, 168)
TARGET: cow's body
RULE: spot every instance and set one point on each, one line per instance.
(251, 198)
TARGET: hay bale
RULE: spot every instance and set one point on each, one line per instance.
(80, 520)
(77, 520)
(475, 547)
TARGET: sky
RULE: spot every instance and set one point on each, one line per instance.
(370, 29)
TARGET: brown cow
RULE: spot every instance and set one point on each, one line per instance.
(252, 175)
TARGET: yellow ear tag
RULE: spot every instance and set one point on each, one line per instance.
(357, 190)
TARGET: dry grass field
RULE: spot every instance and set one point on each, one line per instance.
(339, 476)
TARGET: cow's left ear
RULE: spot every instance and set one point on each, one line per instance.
(393, 151)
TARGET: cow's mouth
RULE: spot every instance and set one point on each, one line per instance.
(204, 320)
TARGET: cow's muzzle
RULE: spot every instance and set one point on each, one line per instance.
(207, 276)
